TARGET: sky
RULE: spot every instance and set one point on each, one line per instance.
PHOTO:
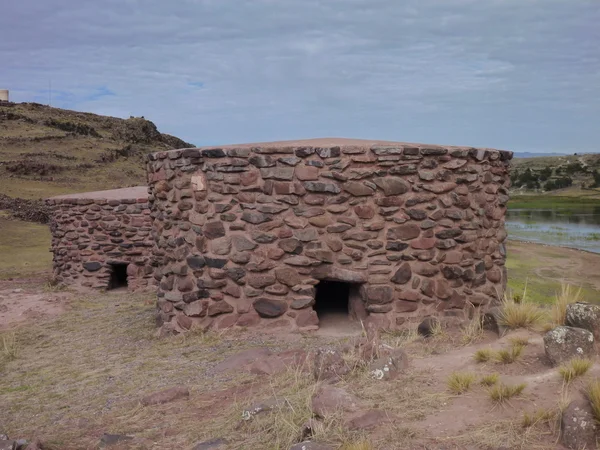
(522, 75)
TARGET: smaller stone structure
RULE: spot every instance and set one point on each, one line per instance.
(102, 239)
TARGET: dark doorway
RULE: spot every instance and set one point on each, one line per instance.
(118, 276)
(338, 305)
(332, 298)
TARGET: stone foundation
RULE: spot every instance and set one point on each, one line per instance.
(97, 233)
(244, 234)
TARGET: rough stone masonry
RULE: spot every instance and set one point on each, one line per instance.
(245, 233)
(94, 232)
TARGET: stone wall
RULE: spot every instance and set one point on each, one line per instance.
(93, 231)
(244, 234)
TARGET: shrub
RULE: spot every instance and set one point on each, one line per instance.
(489, 380)
(502, 392)
(566, 296)
(574, 368)
(459, 382)
(521, 315)
(509, 356)
(592, 393)
(483, 355)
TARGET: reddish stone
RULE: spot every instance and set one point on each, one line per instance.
(364, 211)
(405, 306)
(307, 173)
(404, 232)
(423, 243)
(307, 318)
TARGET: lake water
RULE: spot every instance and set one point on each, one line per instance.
(567, 226)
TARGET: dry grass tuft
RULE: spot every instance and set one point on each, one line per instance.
(574, 368)
(358, 445)
(592, 393)
(502, 392)
(489, 380)
(460, 382)
(518, 340)
(10, 346)
(483, 355)
(509, 356)
(473, 331)
(541, 415)
(524, 314)
(566, 296)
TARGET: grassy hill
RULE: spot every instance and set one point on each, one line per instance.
(47, 151)
(568, 175)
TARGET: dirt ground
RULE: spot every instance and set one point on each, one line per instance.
(75, 365)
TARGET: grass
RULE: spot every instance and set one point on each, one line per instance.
(565, 297)
(574, 368)
(541, 415)
(472, 332)
(524, 314)
(519, 340)
(10, 346)
(489, 379)
(510, 355)
(24, 248)
(501, 393)
(592, 393)
(460, 382)
(483, 355)
(539, 269)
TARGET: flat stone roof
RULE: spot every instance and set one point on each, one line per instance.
(338, 142)
(130, 193)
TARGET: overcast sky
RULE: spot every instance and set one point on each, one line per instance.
(522, 75)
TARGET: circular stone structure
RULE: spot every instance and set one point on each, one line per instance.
(102, 239)
(248, 235)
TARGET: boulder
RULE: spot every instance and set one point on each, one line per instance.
(7, 444)
(213, 444)
(261, 407)
(390, 366)
(492, 321)
(584, 315)
(330, 400)
(578, 426)
(365, 420)
(113, 439)
(427, 326)
(565, 343)
(329, 365)
(269, 308)
(36, 444)
(166, 396)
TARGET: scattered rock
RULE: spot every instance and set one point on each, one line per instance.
(266, 406)
(427, 326)
(331, 400)
(492, 321)
(34, 445)
(578, 426)
(329, 365)
(7, 444)
(242, 359)
(310, 445)
(166, 396)
(584, 315)
(366, 420)
(213, 444)
(112, 439)
(565, 343)
(390, 366)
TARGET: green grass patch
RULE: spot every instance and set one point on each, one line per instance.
(24, 248)
(552, 202)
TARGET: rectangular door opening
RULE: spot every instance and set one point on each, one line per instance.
(118, 276)
(334, 305)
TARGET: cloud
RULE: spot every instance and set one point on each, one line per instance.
(516, 74)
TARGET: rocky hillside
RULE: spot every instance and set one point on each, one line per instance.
(47, 151)
(557, 173)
